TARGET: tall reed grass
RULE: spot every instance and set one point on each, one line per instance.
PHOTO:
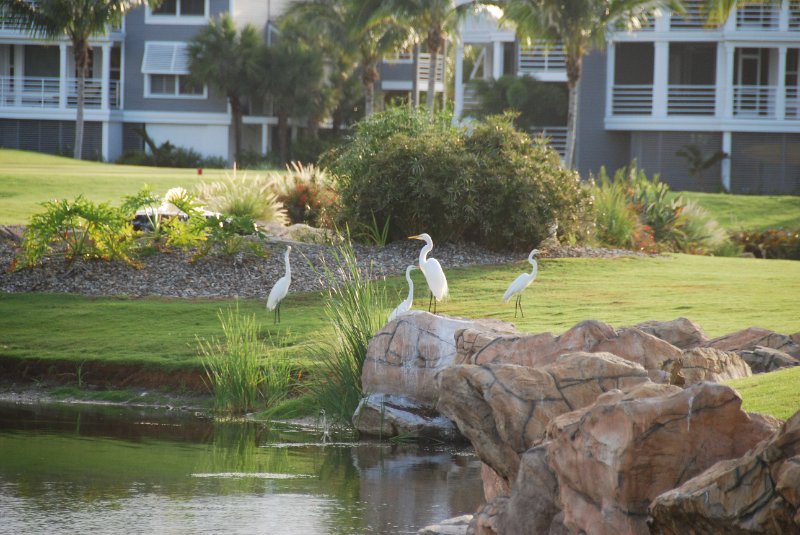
(241, 375)
(355, 306)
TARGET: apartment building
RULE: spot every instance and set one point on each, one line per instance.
(137, 79)
(672, 83)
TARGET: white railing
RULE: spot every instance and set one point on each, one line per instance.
(693, 18)
(758, 16)
(754, 101)
(691, 100)
(794, 15)
(44, 92)
(556, 137)
(632, 100)
(400, 57)
(471, 101)
(540, 58)
(792, 103)
(424, 67)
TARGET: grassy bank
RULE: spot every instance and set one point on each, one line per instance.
(29, 178)
(721, 294)
(750, 212)
(776, 393)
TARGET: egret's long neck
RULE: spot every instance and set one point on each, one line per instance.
(288, 268)
(534, 264)
(410, 285)
(423, 254)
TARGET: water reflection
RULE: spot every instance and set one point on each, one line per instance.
(66, 469)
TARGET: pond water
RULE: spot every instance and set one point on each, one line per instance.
(78, 469)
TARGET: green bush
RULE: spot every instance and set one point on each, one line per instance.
(308, 194)
(77, 229)
(536, 103)
(704, 235)
(616, 220)
(493, 185)
(241, 195)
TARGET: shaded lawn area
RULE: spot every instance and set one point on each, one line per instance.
(28, 179)
(721, 294)
(750, 212)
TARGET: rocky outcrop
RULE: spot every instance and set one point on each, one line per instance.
(405, 355)
(647, 344)
(757, 493)
(750, 339)
(382, 415)
(765, 359)
(681, 332)
(504, 409)
(615, 456)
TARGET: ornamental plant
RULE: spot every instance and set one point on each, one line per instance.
(307, 194)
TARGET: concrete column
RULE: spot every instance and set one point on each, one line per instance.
(728, 104)
(63, 74)
(663, 20)
(730, 22)
(497, 59)
(459, 83)
(725, 165)
(780, 95)
(660, 78)
(722, 88)
(105, 79)
(783, 17)
(19, 65)
(610, 66)
(264, 138)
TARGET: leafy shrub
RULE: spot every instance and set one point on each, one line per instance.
(704, 235)
(492, 186)
(250, 159)
(616, 220)
(228, 235)
(159, 231)
(77, 229)
(536, 103)
(307, 194)
(241, 195)
(771, 243)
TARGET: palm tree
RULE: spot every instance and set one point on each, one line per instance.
(292, 75)
(434, 19)
(579, 26)
(79, 20)
(362, 30)
(227, 60)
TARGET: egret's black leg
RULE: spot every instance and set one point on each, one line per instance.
(519, 300)
(431, 302)
(516, 305)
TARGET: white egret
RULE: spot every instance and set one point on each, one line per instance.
(430, 267)
(522, 282)
(405, 306)
(280, 289)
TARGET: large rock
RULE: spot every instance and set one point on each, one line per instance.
(390, 416)
(588, 336)
(681, 332)
(405, 355)
(707, 364)
(749, 339)
(615, 456)
(765, 359)
(504, 409)
(758, 493)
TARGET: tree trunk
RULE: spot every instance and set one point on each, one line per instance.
(81, 54)
(283, 136)
(573, 77)
(236, 116)
(435, 40)
(369, 76)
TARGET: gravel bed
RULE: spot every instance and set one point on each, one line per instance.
(242, 275)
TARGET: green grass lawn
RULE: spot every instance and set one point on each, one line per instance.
(721, 294)
(776, 393)
(750, 212)
(29, 178)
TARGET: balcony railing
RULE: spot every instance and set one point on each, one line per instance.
(691, 100)
(792, 103)
(693, 18)
(540, 58)
(764, 16)
(556, 137)
(40, 92)
(754, 101)
(424, 67)
(794, 15)
(632, 100)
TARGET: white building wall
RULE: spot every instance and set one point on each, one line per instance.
(210, 141)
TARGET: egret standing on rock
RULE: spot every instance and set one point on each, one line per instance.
(430, 267)
(405, 306)
(520, 283)
(280, 289)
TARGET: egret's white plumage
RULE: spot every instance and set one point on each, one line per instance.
(430, 267)
(405, 306)
(521, 282)
(281, 288)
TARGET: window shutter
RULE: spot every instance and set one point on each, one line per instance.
(165, 58)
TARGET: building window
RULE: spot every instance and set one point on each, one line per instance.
(172, 85)
(178, 12)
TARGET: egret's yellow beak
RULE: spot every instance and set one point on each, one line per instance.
(413, 237)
